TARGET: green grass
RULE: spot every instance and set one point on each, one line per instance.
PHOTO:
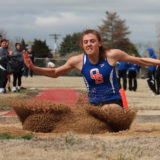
(8, 136)
(3, 103)
(71, 140)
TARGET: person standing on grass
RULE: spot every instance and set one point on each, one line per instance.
(122, 74)
(97, 65)
(8, 85)
(4, 57)
(0, 39)
(18, 64)
(132, 71)
(157, 80)
(31, 55)
(151, 72)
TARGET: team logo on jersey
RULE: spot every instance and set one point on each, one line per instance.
(94, 73)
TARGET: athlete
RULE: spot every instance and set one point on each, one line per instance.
(97, 65)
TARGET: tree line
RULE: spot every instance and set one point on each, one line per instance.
(114, 33)
(113, 30)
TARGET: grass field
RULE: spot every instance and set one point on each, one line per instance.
(141, 142)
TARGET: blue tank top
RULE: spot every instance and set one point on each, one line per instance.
(100, 80)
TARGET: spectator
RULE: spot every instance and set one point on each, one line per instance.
(31, 55)
(4, 57)
(25, 71)
(18, 64)
(0, 39)
(122, 74)
(151, 72)
(51, 65)
(157, 79)
(133, 69)
(46, 61)
(8, 85)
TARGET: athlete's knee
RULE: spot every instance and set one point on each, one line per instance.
(111, 106)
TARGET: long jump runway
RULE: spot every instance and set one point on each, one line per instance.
(65, 96)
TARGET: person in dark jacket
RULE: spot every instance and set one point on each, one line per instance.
(8, 85)
(151, 72)
(18, 64)
(133, 69)
(0, 39)
(122, 74)
(157, 79)
(4, 57)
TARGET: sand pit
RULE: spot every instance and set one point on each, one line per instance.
(140, 141)
(46, 116)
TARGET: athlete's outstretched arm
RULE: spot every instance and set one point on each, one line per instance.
(56, 72)
(124, 57)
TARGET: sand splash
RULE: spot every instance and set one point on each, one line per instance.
(46, 116)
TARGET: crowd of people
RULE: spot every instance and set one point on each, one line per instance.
(12, 62)
(128, 72)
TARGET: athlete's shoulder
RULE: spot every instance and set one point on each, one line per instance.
(113, 56)
(113, 53)
(74, 60)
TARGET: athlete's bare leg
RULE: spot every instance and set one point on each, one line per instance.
(112, 106)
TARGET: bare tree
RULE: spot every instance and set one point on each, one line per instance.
(114, 32)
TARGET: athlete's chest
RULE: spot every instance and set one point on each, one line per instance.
(97, 74)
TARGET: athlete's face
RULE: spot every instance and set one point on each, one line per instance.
(91, 44)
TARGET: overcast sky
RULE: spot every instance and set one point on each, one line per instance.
(31, 19)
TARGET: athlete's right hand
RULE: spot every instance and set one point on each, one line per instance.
(27, 60)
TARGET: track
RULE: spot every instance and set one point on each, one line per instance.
(66, 96)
